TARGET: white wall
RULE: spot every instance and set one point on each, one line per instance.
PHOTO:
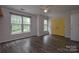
(71, 20)
(40, 25)
(75, 26)
(5, 26)
(36, 26)
(5, 31)
(71, 25)
(67, 25)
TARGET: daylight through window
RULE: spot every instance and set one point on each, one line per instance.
(45, 25)
(20, 24)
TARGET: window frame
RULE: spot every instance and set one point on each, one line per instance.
(45, 25)
(22, 27)
(27, 24)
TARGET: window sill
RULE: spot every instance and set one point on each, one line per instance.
(19, 33)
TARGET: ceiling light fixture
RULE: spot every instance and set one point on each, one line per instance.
(45, 10)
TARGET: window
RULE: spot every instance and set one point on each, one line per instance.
(20, 24)
(45, 25)
(16, 23)
(26, 24)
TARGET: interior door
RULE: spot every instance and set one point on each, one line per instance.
(58, 26)
(75, 27)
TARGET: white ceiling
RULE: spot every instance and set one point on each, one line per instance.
(36, 9)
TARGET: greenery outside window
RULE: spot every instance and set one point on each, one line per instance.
(20, 24)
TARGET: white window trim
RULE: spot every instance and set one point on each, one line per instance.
(47, 25)
(21, 25)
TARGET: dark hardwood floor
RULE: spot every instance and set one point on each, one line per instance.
(43, 44)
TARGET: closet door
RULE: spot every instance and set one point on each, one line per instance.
(75, 27)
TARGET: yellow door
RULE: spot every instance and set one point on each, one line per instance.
(58, 26)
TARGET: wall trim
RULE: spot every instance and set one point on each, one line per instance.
(17, 39)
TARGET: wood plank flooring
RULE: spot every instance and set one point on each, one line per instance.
(42, 44)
